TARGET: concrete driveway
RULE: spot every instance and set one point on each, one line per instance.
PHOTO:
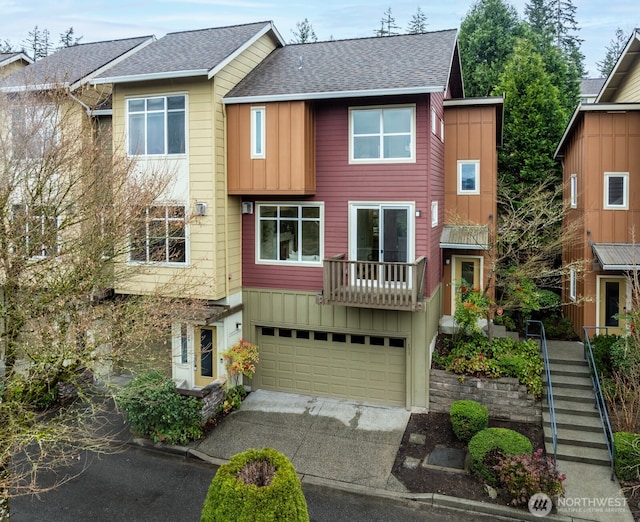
(327, 438)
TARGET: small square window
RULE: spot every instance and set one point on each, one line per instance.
(469, 177)
(616, 190)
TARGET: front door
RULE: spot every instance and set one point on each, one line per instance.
(612, 300)
(205, 356)
(467, 270)
(380, 233)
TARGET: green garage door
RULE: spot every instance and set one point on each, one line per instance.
(361, 367)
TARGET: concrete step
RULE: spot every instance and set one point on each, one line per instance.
(570, 369)
(571, 394)
(574, 437)
(569, 381)
(572, 407)
(579, 422)
(580, 454)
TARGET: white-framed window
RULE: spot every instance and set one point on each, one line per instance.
(184, 344)
(258, 132)
(157, 125)
(41, 227)
(289, 233)
(434, 121)
(434, 213)
(572, 284)
(382, 134)
(616, 190)
(573, 187)
(442, 131)
(468, 177)
(160, 236)
(34, 130)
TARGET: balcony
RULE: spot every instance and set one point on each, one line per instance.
(373, 284)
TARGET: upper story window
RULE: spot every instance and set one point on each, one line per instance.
(434, 213)
(385, 134)
(616, 190)
(34, 130)
(468, 177)
(574, 190)
(289, 233)
(160, 236)
(156, 125)
(41, 228)
(257, 132)
(434, 121)
(442, 131)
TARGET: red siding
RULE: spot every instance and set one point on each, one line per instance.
(337, 183)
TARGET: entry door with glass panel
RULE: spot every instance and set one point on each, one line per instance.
(381, 233)
(205, 356)
(465, 269)
(612, 300)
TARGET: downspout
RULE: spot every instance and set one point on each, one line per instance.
(227, 278)
(82, 104)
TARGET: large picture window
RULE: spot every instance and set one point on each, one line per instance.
(156, 125)
(289, 233)
(384, 134)
(616, 190)
(160, 236)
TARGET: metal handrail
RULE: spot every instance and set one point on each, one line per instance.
(545, 356)
(597, 390)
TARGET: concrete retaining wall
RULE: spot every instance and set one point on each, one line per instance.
(505, 398)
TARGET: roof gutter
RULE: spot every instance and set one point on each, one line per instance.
(151, 76)
(332, 95)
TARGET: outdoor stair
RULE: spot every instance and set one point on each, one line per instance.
(580, 435)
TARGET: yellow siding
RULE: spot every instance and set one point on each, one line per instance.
(629, 91)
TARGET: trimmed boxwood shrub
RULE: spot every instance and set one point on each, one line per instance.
(278, 497)
(626, 455)
(468, 418)
(487, 445)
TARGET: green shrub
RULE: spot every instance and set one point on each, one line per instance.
(626, 456)
(154, 408)
(488, 445)
(522, 476)
(601, 348)
(235, 496)
(232, 400)
(559, 328)
(468, 418)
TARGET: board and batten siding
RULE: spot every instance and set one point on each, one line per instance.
(435, 192)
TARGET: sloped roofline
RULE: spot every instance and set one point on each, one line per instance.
(15, 57)
(616, 72)
(209, 73)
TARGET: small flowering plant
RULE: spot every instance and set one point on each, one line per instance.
(522, 476)
(239, 360)
(471, 305)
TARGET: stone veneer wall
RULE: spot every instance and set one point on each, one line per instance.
(505, 397)
(210, 397)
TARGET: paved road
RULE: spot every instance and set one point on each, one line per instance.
(138, 486)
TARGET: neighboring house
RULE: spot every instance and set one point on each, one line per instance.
(600, 153)
(12, 62)
(167, 113)
(590, 88)
(346, 158)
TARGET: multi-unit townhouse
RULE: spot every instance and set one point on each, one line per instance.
(600, 154)
(367, 186)
(167, 113)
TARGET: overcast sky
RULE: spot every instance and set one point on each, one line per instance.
(113, 19)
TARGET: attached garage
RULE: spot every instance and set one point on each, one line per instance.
(344, 365)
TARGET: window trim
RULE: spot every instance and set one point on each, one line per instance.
(258, 137)
(278, 262)
(148, 261)
(476, 190)
(625, 190)
(166, 137)
(572, 284)
(442, 130)
(434, 213)
(573, 190)
(359, 161)
(30, 216)
(434, 119)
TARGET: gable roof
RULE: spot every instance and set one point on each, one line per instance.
(404, 64)
(189, 53)
(73, 66)
(8, 58)
(590, 87)
(629, 57)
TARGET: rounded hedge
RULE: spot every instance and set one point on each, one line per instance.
(468, 418)
(488, 444)
(230, 499)
(626, 455)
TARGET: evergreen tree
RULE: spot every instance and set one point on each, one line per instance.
(487, 38)
(6, 47)
(418, 23)
(67, 38)
(387, 25)
(38, 43)
(304, 33)
(614, 49)
(534, 119)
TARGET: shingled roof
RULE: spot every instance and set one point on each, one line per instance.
(188, 53)
(415, 63)
(7, 58)
(72, 66)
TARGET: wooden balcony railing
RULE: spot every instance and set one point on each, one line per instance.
(372, 284)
